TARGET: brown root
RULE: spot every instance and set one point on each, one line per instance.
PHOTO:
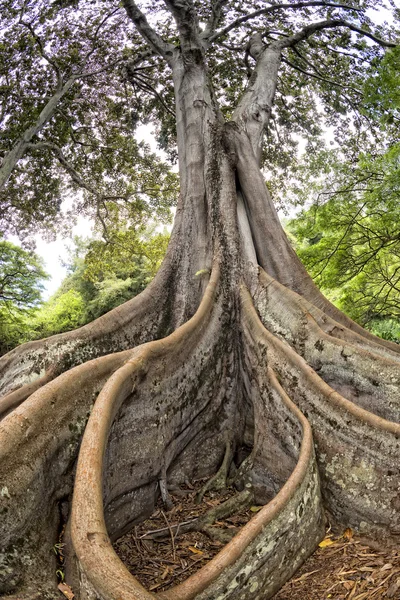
(219, 480)
(123, 415)
(204, 523)
(360, 488)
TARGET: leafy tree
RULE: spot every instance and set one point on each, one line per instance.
(127, 251)
(21, 286)
(209, 357)
(64, 131)
(349, 238)
(102, 275)
(60, 313)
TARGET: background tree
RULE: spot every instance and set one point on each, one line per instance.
(101, 276)
(21, 285)
(252, 336)
(348, 239)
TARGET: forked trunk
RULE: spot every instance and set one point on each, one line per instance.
(231, 346)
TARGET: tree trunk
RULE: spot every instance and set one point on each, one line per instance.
(231, 342)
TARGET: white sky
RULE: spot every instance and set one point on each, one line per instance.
(54, 252)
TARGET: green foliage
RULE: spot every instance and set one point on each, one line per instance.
(21, 277)
(61, 313)
(126, 249)
(382, 89)
(102, 275)
(351, 243)
(388, 329)
(349, 239)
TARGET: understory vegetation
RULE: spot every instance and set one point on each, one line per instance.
(100, 277)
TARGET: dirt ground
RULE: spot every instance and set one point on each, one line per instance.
(162, 563)
(342, 568)
(346, 568)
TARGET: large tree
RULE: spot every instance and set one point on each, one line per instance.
(231, 346)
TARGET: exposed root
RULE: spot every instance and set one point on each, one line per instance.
(357, 368)
(205, 522)
(39, 442)
(15, 398)
(286, 306)
(160, 395)
(162, 482)
(219, 480)
(360, 488)
(135, 322)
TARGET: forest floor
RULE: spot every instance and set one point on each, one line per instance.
(342, 568)
(346, 568)
(160, 556)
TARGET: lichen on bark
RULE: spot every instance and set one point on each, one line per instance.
(249, 353)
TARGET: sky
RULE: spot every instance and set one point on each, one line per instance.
(53, 253)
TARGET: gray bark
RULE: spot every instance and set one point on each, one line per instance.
(246, 352)
(17, 152)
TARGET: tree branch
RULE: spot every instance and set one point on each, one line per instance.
(76, 178)
(216, 15)
(18, 150)
(270, 9)
(319, 77)
(185, 16)
(42, 51)
(146, 31)
(309, 30)
(135, 79)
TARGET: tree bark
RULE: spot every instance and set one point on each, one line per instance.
(231, 342)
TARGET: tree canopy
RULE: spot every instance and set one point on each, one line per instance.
(78, 79)
(66, 125)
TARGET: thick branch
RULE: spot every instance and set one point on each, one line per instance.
(17, 152)
(309, 30)
(185, 16)
(145, 30)
(270, 9)
(254, 110)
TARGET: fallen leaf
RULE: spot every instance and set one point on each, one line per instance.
(348, 534)
(66, 590)
(195, 550)
(326, 542)
(348, 585)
